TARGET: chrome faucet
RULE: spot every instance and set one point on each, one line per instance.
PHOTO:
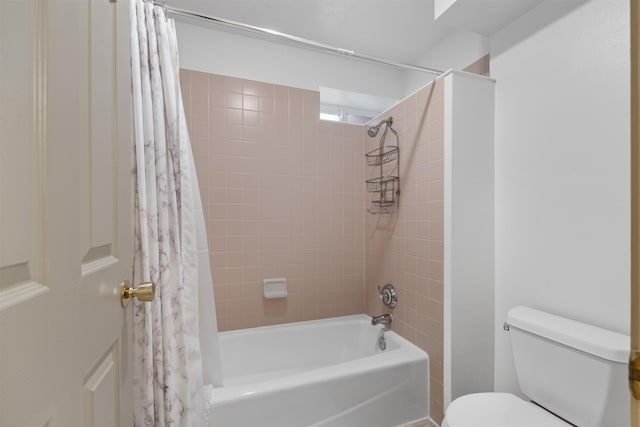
(383, 319)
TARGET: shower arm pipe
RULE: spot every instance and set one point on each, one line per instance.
(297, 40)
(373, 130)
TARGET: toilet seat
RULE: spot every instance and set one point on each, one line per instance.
(497, 410)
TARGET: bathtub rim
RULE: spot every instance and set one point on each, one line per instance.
(407, 353)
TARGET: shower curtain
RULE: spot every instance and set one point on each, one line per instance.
(175, 358)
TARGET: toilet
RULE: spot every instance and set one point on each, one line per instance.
(570, 372)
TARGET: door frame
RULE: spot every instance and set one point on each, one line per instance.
(635, 214)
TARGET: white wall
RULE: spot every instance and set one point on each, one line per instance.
(209, 50)
(468, 234)
(204, 48)
(562, 167)
(457, 51)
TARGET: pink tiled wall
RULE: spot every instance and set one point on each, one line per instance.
(284, 197)
(481, 66)
(407, 249)
(283, 194)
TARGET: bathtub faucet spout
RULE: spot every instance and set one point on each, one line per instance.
(383, 319)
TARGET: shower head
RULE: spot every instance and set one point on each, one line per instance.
(373, 130)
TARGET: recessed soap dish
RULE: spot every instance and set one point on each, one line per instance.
(275, 288)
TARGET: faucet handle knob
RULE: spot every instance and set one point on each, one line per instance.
(388, 295)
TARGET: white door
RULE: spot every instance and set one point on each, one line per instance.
(65, 212)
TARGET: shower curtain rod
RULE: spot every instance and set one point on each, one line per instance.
(294, 39)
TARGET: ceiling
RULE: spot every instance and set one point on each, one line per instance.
(401, 30)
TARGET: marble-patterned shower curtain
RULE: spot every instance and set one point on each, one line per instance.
(175, 358)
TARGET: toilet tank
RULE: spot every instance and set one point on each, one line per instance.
(575, 370)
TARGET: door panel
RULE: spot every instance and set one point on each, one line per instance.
(21, 234)
(102, 391)
(22, 284)
(102, 135)
(65, 212)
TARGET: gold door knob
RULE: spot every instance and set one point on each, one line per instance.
(634, 374)
(144, 292)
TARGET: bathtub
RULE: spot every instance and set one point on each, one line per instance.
(320, 373)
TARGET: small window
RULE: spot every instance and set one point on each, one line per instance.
(338, 105)
(330, 117)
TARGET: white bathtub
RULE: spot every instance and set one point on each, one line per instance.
(320, 373)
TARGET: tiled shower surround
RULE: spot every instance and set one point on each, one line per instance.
(407, 248)
(284, 196)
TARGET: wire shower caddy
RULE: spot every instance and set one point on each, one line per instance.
(386, 184)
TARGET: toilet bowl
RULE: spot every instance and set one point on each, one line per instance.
(498, 410)
(574, 372)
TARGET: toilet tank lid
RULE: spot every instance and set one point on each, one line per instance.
(597, 341)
